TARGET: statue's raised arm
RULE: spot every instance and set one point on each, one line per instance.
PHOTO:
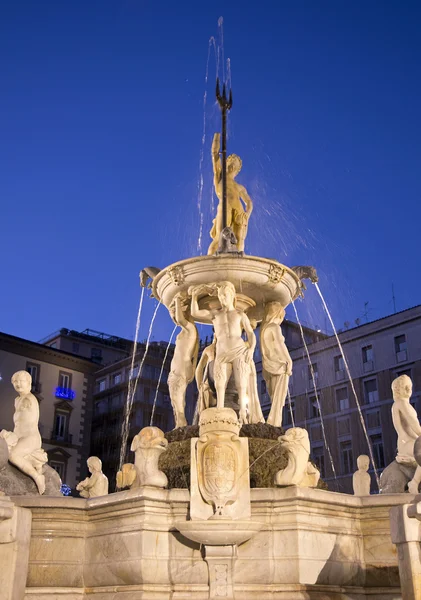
(216, 160)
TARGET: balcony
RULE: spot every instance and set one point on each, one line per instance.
(61, 437)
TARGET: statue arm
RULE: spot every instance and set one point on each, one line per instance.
(179, 315)
(195, 311)
(281, 347)
(251, 337)
(200, 369)
(216, 159)
(246, 199)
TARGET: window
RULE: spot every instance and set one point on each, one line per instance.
(342, 400)
(133, 374)
(64, 380)
(160, 421)
(101, 407)
(368, 358)
(373, 419)
(263, 387)
(102, 384)
(116, 401)
(344, 426)
(347, 460)
(96, 355)
(371, 394)
(314, 407)
(378, 452)
(339, 363)
(75, 348)
(59, 467)
(318, 455)
(146, 394)
(60, 426)
(316, 433)
(117, 378)
(400, 348)
(33, 371)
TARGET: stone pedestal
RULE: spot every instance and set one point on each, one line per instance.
(220, 560)
(405, 529)
(15, 537)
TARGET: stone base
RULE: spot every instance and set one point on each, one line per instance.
(313, 545)
(15, 483)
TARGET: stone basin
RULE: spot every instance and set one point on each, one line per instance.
(256, 280)
(219, 532)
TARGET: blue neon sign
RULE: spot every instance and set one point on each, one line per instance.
(65, 393)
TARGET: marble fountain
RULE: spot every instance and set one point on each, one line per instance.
(216, 536)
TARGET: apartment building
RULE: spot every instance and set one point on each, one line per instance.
(323, 399)
(151, 403)
(63, 385)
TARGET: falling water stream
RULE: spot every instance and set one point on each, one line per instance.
(129, 400)
(160, 375)
(291, 412)
(136, 336)
(315, 390)
(370, 448)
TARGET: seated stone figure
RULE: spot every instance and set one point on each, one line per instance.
(361, 480)
(147, 445)
(24, 442)
(97, 484)
(403, 471)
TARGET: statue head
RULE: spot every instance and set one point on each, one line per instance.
(22, 382)
(149, 437)
(402, 388)
(94, 464)
(274, 311)
(234, 164)
(226, 293)
(363, 462)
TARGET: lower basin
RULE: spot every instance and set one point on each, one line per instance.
(219, 532)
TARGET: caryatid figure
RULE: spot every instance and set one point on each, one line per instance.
(233, 354)
(237, 215)
(276, 361)
(184, 361)
(406, 424)
(24, 442)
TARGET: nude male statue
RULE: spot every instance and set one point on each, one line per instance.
(24, 442)
(276, 361)
(184, 361)
(237, 216)
(406, 424)
(233, 354)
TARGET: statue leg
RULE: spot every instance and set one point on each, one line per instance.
(177, 386)
(221, 374)
(413, 485)
(278, 390)
(241, 377)
(26, 467)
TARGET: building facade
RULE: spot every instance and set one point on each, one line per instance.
(151, 401)
(333, 407)
(63, 385)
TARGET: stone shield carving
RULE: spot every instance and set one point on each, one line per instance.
(217, 461)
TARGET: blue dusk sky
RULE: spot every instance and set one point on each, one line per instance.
(104, 106)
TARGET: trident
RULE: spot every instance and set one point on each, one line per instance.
(225, 105)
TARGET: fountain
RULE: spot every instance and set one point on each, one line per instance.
(231, 507)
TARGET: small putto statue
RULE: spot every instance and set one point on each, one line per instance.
(184, 361)
(361, 480)
(24, 442)
(299, 470)
(406, 424)
(233, 354)
(97, 483)
(237, 214)
(148, 445)
(277, 363)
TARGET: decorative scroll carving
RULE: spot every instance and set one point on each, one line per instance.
(177, 275)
